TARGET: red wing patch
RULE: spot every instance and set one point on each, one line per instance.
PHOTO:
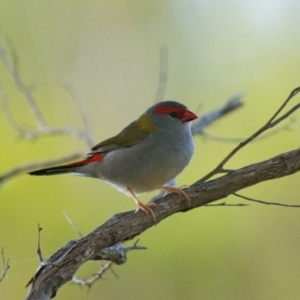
(94, 158)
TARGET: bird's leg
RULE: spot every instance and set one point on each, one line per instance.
(179, 191)
(145, 207)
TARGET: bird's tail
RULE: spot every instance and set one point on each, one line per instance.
(70, 168)
(53, 171)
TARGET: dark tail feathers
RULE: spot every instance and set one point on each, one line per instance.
(70, 168)
(54, 171)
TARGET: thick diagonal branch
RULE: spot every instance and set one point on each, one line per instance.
(60, 268)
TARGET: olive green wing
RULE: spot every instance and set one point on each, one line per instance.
(131, 135)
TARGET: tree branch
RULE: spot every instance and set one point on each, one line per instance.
(61, 267)
(266, 202)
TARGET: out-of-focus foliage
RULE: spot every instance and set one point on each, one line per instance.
(109, 51)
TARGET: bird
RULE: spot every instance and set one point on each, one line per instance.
(143, 157)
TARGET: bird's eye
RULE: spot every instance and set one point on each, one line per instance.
(173, 114)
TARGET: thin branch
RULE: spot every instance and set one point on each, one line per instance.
(163, 74)
(45, 130)
(219, 168)
(39, 251)
(258, 139)
(10, 65)
(51, 131)
(226, 204)
(7, 112)
(87, 132)
(99, 275)
(266, 202)
(5, 265)
(11, 68)
(72, 223)
(292, 110)
(293, 93)
(36, 165)
(113, 252)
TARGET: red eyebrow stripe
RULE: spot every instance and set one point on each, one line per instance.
(166, 110)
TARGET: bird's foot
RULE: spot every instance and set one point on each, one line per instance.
(145, 207)
(179, 191)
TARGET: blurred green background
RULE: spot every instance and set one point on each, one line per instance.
(109, 51)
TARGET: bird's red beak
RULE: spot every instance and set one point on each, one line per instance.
(188, 116)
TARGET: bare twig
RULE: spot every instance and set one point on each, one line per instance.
(99, 275)
(5, 265)
(163, 73)
(266, 202)
(135, 246)
(10, 64)
(87, 132)
(220, 167)
(11, 68)
(45, 130)
(116, 254)
(286, 127)
(72, 223)
(48, 130)
(226, 204)
(7, 112)
(39, 251)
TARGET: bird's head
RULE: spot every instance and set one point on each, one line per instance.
(170, 115)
